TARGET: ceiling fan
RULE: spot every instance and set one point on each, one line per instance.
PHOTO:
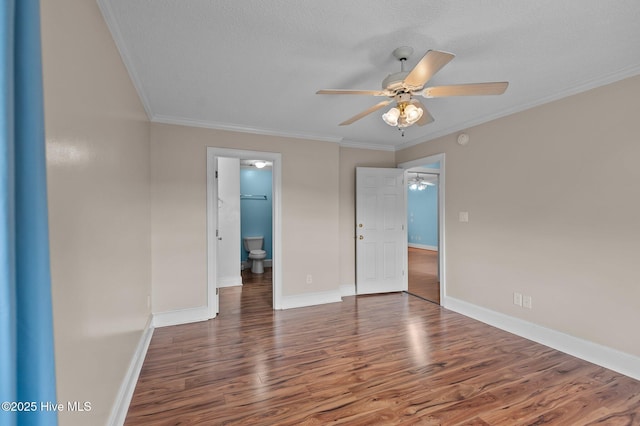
(403, 86)
(419, 183)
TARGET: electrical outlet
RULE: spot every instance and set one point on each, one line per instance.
(309, 279)
(527, 302)
(517, 298)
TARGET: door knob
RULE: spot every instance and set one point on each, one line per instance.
(360, 225)
(361, 237)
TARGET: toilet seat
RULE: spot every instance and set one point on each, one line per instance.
(257, 257)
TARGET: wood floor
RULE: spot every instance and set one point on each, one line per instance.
(389, 359)
(423, 274)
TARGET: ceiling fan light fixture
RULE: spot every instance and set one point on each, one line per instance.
(418, 183)
(391, 116)
(260, 164)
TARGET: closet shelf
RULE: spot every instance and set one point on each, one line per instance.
(252, 197)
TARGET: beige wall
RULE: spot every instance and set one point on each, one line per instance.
(552, 196)
(97, 137)
(309, 212)
(350, 158)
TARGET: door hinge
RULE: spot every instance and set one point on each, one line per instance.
(217, 232)
(216, 174)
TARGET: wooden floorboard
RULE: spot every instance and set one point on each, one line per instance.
(423, 274)
(389, 359)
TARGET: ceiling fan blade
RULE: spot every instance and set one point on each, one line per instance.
(431, 63)
(366, 112)
(351, 92)
(426, 116)
(473, 89)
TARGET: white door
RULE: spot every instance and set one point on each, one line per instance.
(212, 235)
(380, 230)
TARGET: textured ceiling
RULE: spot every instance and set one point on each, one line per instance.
(255, 65)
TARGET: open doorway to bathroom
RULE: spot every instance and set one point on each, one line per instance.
(245, 221)
(244, 224)
(256, 221)
(423, 231)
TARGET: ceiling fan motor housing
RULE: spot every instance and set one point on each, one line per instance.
(394, 82)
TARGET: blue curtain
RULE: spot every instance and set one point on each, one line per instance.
(27, 373)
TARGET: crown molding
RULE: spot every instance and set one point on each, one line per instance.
(363, 145)
(109, 18)
(165, 119)
(574, 90)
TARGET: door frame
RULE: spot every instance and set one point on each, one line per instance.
(441, 214)
(212, 217)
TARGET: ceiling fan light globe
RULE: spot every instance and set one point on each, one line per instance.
(391, 116)
(412, 113)
(260, 164)
(413, 186)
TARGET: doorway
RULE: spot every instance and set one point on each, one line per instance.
(214, 235)
(422, 232)
(425, 224)
(255, 215)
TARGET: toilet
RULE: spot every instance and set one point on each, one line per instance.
(253, 245)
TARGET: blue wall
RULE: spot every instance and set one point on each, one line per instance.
(422, 216)
(255, 215)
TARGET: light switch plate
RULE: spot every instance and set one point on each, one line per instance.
(463, 216)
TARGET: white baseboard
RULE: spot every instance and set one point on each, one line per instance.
(310, 299)
(182, 316)
(229, 281)
(423, 246)
(604, 356)
(125, 393)
(348, 290)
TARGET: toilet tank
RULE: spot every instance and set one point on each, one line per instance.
(253, 243)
